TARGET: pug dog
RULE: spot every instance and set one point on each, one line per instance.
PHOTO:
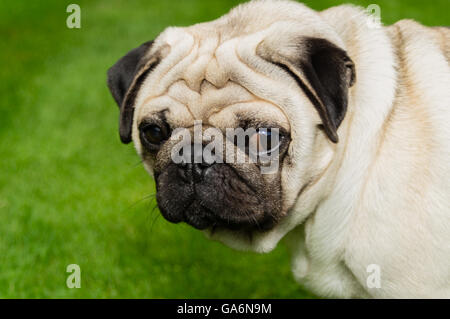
(361, 193)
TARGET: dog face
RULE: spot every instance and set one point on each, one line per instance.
(271, 69)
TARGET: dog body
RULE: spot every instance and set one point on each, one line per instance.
(389, 203)
(364, 177)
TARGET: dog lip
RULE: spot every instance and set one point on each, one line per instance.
(198, 218)
(236, 206)
(197, 214)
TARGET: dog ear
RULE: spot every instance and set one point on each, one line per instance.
(324, 72)
(124, 81)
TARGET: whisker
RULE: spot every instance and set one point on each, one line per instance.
(153, 195)
(154, 222)
(137, 164)
(155, 206)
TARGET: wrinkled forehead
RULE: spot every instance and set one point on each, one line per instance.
(206, 78)
(210, 67)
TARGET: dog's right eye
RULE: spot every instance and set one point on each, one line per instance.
(153, 135)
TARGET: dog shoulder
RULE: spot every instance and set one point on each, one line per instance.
(436, 37)
(443, 35)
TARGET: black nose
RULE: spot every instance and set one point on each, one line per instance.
(192, 172)
(193, 168)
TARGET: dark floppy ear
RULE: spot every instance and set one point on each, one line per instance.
(124, 81)
(324, 72)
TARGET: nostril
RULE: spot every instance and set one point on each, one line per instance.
(205, 164)
(182, 173)
(199, 170)
(182, 165)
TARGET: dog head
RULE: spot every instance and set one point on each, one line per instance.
(272, 69)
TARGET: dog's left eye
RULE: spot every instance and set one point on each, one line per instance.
(153, 135)
(264, 141)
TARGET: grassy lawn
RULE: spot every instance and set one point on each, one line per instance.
(70, 192)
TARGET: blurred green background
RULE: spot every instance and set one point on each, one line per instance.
(70, 192)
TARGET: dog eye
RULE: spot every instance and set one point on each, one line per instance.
(264, 141)
(153, 135)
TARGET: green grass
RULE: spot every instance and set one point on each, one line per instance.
(71, 193)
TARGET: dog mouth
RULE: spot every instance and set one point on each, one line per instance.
(224, 200)
(201, 217)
